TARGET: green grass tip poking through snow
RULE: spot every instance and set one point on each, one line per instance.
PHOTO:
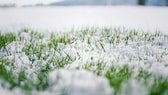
(121, 56)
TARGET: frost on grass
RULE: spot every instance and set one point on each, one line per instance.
(80, 62)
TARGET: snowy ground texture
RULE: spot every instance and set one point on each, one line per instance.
(89, 61)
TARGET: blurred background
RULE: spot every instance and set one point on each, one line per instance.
(28, 3)
(149, 15)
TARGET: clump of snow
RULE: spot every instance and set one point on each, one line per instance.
(15, 91)
(26, 37)
(14, 47)
(77, 83)
(132, 87)
(159, 70)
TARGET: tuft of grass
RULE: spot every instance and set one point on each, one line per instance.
(5, 39)
(117, 76)
(14, 80)
(100, 67)
(55, 40)
(7, 75)
(159, 87)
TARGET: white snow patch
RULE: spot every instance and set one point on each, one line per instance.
(77, 83)
(15, 91)
(132, 87)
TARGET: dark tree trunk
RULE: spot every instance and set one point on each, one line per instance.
(141, 2)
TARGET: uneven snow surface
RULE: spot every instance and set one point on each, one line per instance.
(91, 61)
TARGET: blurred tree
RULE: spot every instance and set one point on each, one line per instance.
(141, 2)
(166, 2)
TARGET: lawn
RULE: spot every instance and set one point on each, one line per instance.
(87, 61)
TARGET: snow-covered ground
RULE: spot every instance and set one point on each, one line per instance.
(88, 61)
(58, 18)
(91, 61)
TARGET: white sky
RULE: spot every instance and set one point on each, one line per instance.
(22, 2)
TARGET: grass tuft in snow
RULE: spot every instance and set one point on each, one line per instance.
(126, 60)
(6, 39)
(117, 77)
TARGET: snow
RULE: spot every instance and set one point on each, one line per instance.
(132, 87)
(72, 81)
(59, 18)
(15, 91)
(78, 83)
(153, 53)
